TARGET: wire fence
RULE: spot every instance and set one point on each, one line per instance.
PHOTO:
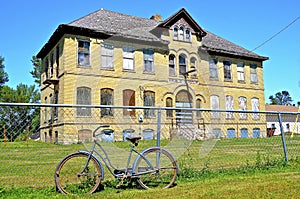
(34, 137)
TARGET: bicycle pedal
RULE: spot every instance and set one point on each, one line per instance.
(118, 172)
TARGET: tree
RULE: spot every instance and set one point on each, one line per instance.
(37, 70)
(281, 98)
(3, 74)
(17, 119)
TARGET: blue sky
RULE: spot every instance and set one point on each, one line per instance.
(27, 25)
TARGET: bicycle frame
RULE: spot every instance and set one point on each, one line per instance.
(106, 160)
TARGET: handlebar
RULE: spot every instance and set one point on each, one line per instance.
(106, 132)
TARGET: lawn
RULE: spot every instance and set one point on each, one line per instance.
(229, 168)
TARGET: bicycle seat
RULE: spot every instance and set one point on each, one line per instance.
(134, 140)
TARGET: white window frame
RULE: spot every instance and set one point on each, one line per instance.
(128, 58)
(107, 56)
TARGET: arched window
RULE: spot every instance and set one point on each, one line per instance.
(256, 133)
(149, 100)
(193, 65)
(182, 64)
(172, 65)
(231, 133)
(198, 105)
(83, 98)
(106, 98)
(175, 33)
(181, 33)
(215, 105)
(244, 133)
(169, 103)
(187, 35)
(148, 134)
(128, 100)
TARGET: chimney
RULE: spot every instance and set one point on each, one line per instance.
(156, 17)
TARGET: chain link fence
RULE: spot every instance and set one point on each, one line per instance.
(35, 137)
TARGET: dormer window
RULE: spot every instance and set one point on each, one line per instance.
(175, 33)
(187, 35)
(181, 33)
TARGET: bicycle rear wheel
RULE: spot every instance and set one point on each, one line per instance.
(160, 171)
(72, 178)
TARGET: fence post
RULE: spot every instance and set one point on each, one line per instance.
(283, 138)
(158, 127)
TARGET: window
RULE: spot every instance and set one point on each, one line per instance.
(128, 100)
(288, 127)
(227, 70)
(51, 64)
(57, 61)
(198, 105)
(46, 67)
(231, 133)
(51, 109)
(229, 106)
(213, 68)
(128, 58)
(255, 107)
(56, 102)
(181, 33)
(215, 105)
(244, 133)
(240, 72)
(107, 135)
(46, 111)
(175, 33)
(187, 35)
(193, 64)
(83, 98)
(148, 60)
(182, 64)
(169, 103)
(217, 133)
(172, 65)
(148, 134)
(253, 73)
(149, 100)
(243, 107)
(256, 133)
(128, 133)
(83, 53)
(107, 56)
(106, 98)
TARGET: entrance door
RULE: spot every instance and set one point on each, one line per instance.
(183, 100)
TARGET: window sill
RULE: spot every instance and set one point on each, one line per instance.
(129, 70)
(227, 80)
(214, 78)
(242, 81)
(84, 66)
(149, 73)
(108, 69)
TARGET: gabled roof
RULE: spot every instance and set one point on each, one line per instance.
(107, 24)
(182, 13)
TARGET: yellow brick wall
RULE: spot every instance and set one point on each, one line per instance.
(117, 79)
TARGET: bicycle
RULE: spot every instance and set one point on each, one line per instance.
(82, 171)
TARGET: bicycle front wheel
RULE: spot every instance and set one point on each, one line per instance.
(75, 174)
(157, 169)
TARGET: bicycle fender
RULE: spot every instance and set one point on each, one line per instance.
(145, 151)
(98, 161)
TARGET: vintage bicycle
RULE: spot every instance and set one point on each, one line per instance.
(83, 171)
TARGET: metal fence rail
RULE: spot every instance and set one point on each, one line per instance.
(196, 137)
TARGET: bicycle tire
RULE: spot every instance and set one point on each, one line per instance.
(163, 174)
(70, 180)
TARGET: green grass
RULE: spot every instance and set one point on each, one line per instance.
(233, 168)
